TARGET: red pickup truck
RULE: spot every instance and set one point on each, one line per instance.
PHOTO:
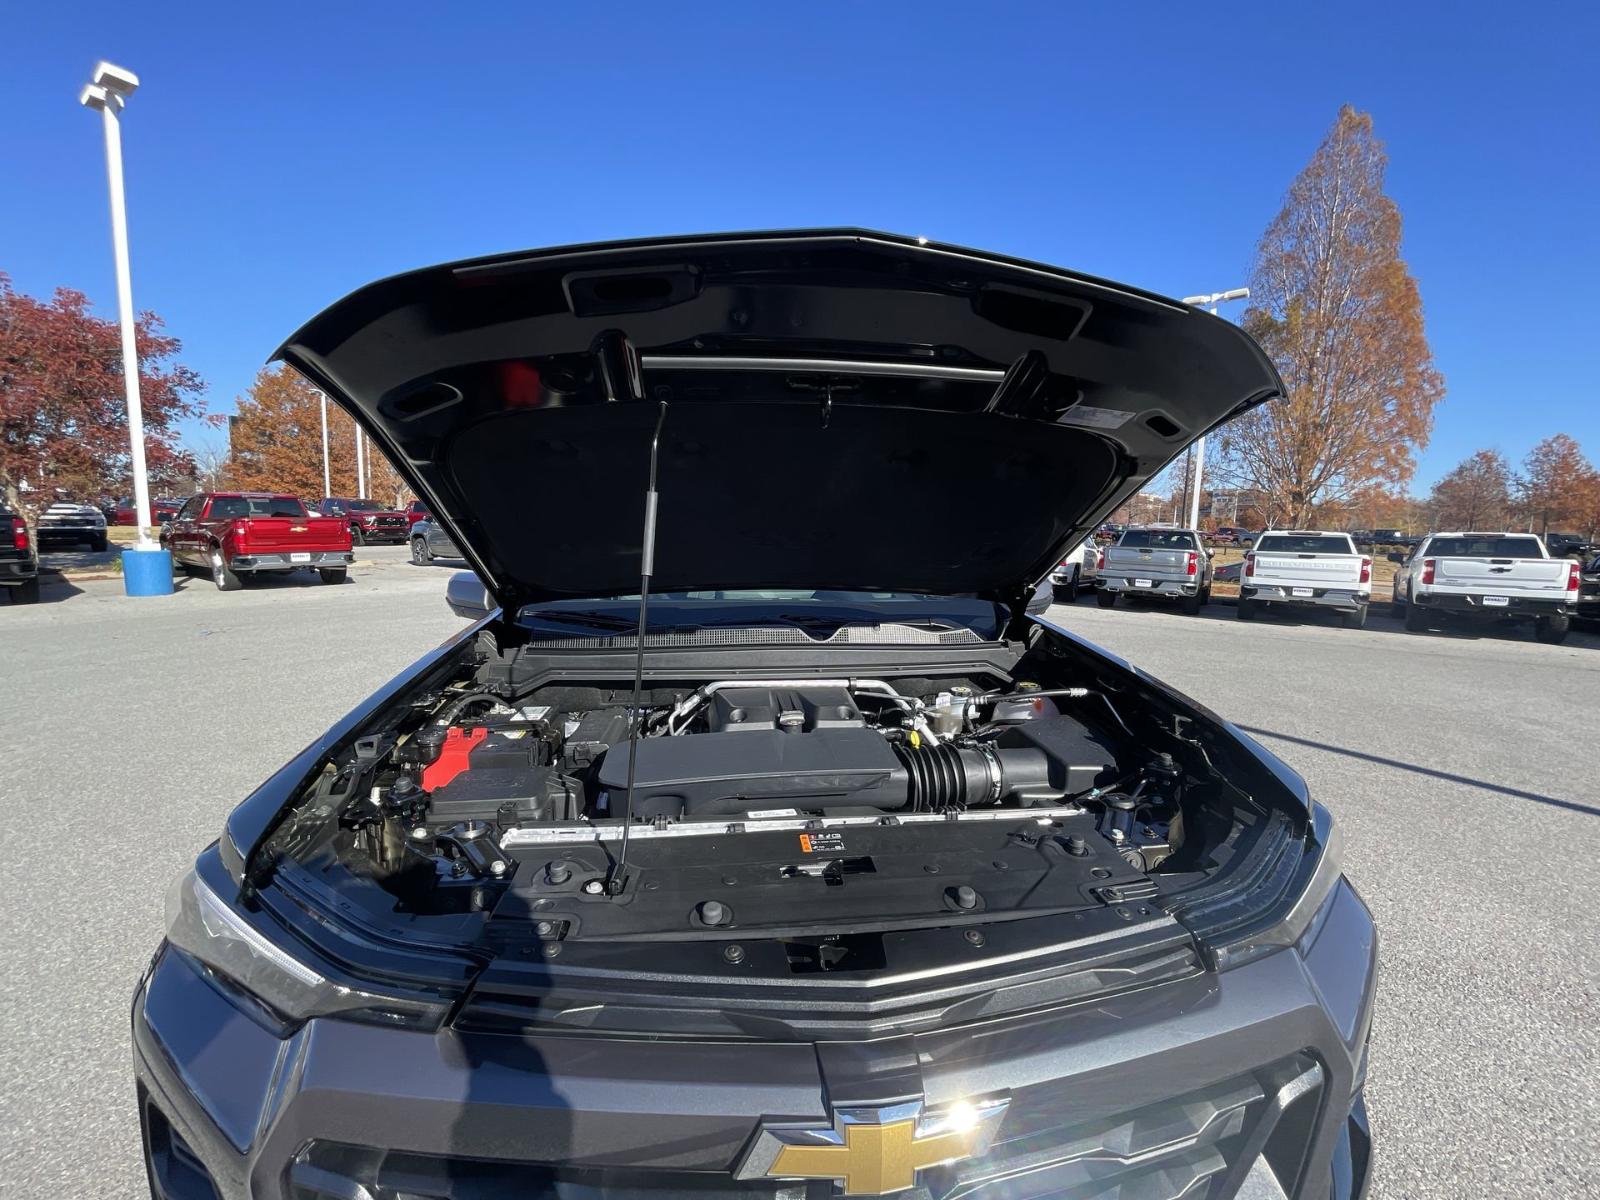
(230, 534)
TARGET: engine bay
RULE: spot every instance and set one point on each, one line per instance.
(757, 802)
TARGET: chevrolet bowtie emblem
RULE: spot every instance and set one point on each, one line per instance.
(298, 528)
(875, 1151)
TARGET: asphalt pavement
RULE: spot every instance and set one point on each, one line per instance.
(1462, 767)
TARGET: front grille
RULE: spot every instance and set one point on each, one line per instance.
(1198, 1146)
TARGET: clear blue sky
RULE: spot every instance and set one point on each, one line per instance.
(281, 154)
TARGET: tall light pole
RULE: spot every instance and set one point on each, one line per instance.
(361, 466)
(327, 483)
(108, 91)
(1208, 302)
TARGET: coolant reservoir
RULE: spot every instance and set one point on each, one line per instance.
(950, 710)
(1022, 707)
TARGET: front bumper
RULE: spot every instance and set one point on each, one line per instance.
(292, 560)
(1515, 606)
(70, 533)
(1217, 1085)
(1337, 598)
(386, 533)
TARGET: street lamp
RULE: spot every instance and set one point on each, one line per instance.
(108, 91)
(1208, 302)
(327, 485)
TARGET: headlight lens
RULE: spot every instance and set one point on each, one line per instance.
(217, 934)
(1278, 894)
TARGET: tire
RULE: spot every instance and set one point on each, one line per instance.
(1105, 599)
(27, 593)
(333, 574)
(1193, 604)
(1416, 618)
(1553, 630)
(1354, 620)
(356, 536)
(421, 556)
(99, 544)
(1246, 610)
(1067, 593)
(225, 579)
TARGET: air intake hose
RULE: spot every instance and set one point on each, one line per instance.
(941, 776)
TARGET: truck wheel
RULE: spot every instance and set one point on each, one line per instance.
(1553, 629)
(225, 579)
(1355, 619)
(1192, 604)
(98, 544)
(1246, 610)
(1105, 598)
(422, 556)
(333, 574)
(1416, 618)
(1066, 593)
(357, 536)
(27, 593)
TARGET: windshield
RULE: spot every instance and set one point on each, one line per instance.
(818, 613)
(1158, 539)
(1485, 547)
(1287, 543)
(360, 505)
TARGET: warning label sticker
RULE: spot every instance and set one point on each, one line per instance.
(828, 841)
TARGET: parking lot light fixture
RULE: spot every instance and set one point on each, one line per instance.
(1208, 302)
(107, 92)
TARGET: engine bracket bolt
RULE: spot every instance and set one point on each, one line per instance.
(733, 954)
(974, 936)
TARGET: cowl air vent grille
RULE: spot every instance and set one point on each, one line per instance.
(848, 635)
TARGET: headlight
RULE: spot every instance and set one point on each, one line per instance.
(1274, 895)
(221, 938)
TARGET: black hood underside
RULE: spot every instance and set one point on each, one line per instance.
(842, 409)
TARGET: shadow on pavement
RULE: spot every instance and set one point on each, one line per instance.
(53, 589)
(1431, 773)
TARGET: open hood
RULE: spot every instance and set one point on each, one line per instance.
(843, 409)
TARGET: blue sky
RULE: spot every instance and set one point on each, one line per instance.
(280, 155)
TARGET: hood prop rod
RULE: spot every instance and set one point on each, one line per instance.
(617, 880)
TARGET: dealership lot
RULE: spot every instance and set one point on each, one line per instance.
(1461, 765)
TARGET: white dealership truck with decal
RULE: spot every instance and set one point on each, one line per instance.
(1306, 567)
(1487, 575)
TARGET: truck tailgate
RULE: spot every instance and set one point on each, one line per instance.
(278, 535)
(1309, 570)
(1501, 576)
(1147, 564)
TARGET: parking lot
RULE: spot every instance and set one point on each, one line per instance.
(1461, 766)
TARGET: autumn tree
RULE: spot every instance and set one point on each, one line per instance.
(1550, 488)
(1475, 495)
(1333, 304)
(276, 442)
(63, 408)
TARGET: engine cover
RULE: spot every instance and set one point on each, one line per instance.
(746, 773)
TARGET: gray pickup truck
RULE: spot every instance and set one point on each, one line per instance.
(1158, 563)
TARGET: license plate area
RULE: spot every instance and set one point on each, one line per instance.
(1496, 601)
(1144, 583)
(300, 556)
(1306, 592)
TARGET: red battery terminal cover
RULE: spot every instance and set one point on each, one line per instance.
(452, 760)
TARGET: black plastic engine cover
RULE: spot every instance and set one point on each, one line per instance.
(756, 771)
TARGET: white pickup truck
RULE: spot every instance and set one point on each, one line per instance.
(1075, 572)
(1306, 567)
(1158, 563)
(1487, 575)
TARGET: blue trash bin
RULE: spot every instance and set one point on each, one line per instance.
(147, 572)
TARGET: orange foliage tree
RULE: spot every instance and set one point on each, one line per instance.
(276, 443)
(1551, 489)
(1475, 495)
(1335, 307)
